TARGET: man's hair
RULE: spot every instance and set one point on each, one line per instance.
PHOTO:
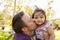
(18, 23)
(38, 10)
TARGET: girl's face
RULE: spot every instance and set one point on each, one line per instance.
(39, 18)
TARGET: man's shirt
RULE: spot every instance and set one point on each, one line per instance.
(18, 36)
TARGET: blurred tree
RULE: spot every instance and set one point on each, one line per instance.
(8, 6)
(14, 7)
(1, 16)
(28, 10)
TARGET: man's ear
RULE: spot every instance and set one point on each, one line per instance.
(24, 29)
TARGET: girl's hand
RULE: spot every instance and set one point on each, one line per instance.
(51, 33)
(46, 36)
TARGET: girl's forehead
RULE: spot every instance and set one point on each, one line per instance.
(38, 14)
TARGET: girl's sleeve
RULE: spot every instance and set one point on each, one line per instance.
(48, 24)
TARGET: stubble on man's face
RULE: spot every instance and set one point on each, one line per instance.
(29, 22)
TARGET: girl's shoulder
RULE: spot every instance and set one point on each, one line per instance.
(48, 24)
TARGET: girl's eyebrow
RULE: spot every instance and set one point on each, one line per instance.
(36, 15)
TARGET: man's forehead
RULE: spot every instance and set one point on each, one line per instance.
(26, 17)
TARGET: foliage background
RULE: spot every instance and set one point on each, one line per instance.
(9, 8)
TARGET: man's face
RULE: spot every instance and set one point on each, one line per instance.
(29, 22)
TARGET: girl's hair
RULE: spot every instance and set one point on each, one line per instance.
(38, 10)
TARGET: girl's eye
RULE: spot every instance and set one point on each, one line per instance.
(41, 17)
(36, 17)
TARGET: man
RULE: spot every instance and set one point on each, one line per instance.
(23, 26)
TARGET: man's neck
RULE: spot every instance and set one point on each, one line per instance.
(30, 33)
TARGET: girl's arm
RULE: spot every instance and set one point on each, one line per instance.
(51, 33)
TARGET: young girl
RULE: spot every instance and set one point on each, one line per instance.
(44, 29)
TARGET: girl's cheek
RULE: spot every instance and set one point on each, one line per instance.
(35, 20)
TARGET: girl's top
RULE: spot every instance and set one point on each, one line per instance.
(40, 30)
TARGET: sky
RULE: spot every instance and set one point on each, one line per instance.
(41, 4)
(56, 7)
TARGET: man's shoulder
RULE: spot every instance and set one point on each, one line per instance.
(21, 37)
